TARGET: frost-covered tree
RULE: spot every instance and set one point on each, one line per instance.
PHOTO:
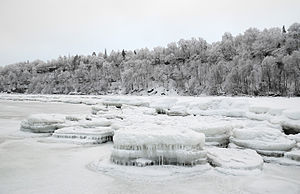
(252, 63)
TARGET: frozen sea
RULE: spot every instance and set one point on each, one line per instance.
(30, 165)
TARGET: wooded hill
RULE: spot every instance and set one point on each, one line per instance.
(253, 63)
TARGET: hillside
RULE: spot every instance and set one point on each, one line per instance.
(253, 63)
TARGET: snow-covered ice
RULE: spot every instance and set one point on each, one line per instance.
(79, 134)
(43, 123)
(294, 155)
(217, 130)
(159, 144)
(235, 161)
(265, 140)
(70, 128)
(256, 123)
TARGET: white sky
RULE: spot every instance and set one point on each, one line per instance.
(45, 29)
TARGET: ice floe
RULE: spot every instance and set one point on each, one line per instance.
(72, 128)
(85, 135)
(234, 161)
(265, 140)
(158, 144)
(268, 125)
(43, 123)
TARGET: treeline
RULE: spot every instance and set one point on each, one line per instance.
(254, 63)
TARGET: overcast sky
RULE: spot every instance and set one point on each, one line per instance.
(46, 29)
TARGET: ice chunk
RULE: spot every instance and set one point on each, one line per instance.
(151, 134)
(294, 155)
(258, 117)
(160, 144)
(268, 139)
(74, 117)
(143, 162)
(85, 135)
(43, 123)
(163, 103)
(275, 111)
(211, 129)
(259, 109)
(232, 160)
(177, 110)
(99, 108)
(46, 118)
(295, 137)
(217, 130)
(282, 161)
(95, 122)
(292, 114)
(291, 126)
(112, 102)
(149, 111)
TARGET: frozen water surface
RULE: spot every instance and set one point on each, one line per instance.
(29, 164)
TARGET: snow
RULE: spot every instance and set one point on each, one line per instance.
(234, 161)
(27, 157)
(156, 135)
(95, 122)
(277, 186)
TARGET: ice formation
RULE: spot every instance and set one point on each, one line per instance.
(265, 140)
(107, 112)
(99, 109)
(85, 135)
(77, 128)
(270, 126)
(43, 123)
(153, 144)
(294, 155)
(295, 137)
(88, 130)
(217, 130)
(179, 109)
(234, 161)
(291, 126)
(217, 134)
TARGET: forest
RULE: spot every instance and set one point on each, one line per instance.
(254, 63)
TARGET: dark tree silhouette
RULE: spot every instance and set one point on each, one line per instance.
(123, 54)
(283, 29)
